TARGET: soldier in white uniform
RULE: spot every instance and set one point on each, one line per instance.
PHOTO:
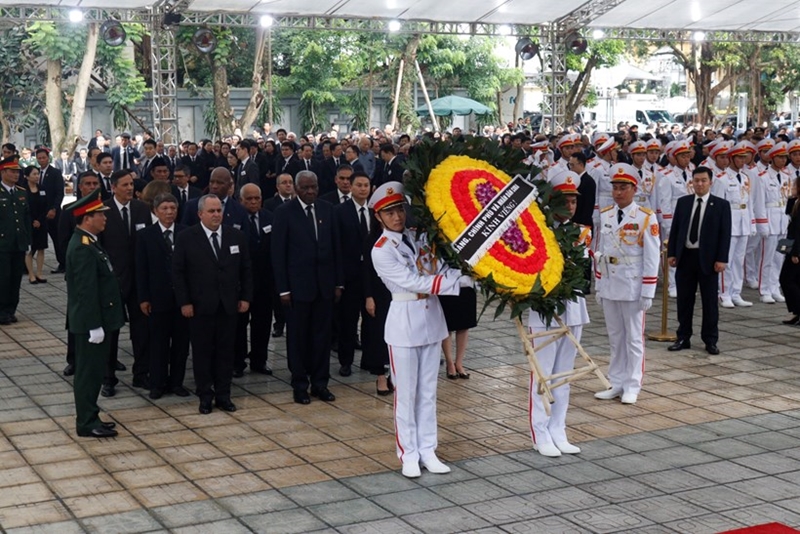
(549, 433)
(793, 168)
(735, 186)
(752, 258)
(626, 271)
(415, 327)
(771, 190)
(606, 157)
(674, 182)
(645, 193)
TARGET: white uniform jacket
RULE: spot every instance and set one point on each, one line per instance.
(671, 187)
(771, 189)
(627, 254)
(734, 186)
(413, 275)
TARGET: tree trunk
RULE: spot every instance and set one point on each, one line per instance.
(81, 92)
(5, 125)
(256, 94)
(222, 101)
(52, 90)
(519, 98)
(705, 100)
(371, 88)
(406, 116)
(270, 110)
(578, 90)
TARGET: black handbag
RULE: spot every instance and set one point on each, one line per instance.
(785, 245)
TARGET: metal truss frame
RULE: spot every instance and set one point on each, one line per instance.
(164, 68)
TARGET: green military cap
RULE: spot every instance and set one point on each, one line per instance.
(88, 204)
(11, 163)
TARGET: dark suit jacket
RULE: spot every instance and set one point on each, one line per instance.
(116, 153)
(66, 227)
(248, 173)
(332, 197)
(351, 240)
(53, 187)
(392, 172)
(206, 282)
(235, 215)
(120, 245)
(586, 197)
(193, 192)
(261, 253)
(306, 267)
(273, 203)
(293, 166)
(197, 168)
(154, 268)
(715, 231)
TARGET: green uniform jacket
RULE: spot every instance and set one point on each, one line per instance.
(15, 220)
(93, 297)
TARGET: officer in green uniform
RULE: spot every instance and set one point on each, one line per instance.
(94, 310)
(15, 237)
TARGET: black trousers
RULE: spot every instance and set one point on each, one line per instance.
(70, 348)
(309, 343)
(52, 231)
(688, 276)
(169, 349)
(790, 284)
(140, 336)
(277, 308)
(12, 265)
(213, 337)
(351, 307)
(259, 317)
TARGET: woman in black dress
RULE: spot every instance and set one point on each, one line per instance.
(375, 354)
(38, 206)
(461, 314)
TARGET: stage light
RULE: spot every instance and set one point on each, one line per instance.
(575, 43)
(171, 19)
(112, 33)
(526, 49)
(266, 21)
(394, 26)
(505, 29)
(598, 34)
(204, 40)
(75, 15)
(699, 36)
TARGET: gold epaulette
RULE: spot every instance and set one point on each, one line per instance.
(606, 209)
(646, 210)
(86, 240)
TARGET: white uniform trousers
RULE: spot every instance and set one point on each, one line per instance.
(555, 358)
(625, 325)
(769, 271)
(671, 287)
(752, 260)
(730, 283)
(415, 373)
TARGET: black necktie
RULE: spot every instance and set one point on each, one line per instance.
(41, 178)
(336, 162)
(362, 219)
(168, 239)
(254, 229)
(620, 215)
(797, 173)
(310, 215)
(345, 198)
(125, 220)
(108, 183)
(215, 243)
(183, 197)
(641, 175)
(684, 175)
(285, 200)
(695, 228)
(407, 241)
(739, 177)
(124, 158)
(308, 167)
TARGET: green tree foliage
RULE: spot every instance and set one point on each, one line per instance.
(21, 99)
(600, 53)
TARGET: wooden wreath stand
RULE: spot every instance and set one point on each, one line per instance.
(543, 386)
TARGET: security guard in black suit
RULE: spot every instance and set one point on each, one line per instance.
(15, 237)
(94, 308)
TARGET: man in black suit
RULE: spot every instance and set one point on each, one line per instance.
(308, 278)
(248, 172)
(51, 181)
(181, 189)
(285, 184)
(587, 190)
(213, 281)
(198, 176)
(288, 162)
(353, 219)
(327, 171)
(233, 213)
(125, 155)
(391, 169)
(698, 247)
(168, 329)
(87, 182)
(343, 179)
(125, 219)
(150, 154)
(103, 168)
(259, 316)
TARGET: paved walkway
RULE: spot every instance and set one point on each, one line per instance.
(711, 445)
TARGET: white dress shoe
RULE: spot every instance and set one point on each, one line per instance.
(608, 394)
(568, 448)
(547, 449)
(673, 293)
(778, 297)
(434, 465)
(752, 285)
(767, 299)
(741, 302)
(411, 470)
(629, 398)
(726, 303)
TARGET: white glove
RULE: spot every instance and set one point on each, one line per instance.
(97, 335)
(645, 303)
(598, 299)
(465, 281)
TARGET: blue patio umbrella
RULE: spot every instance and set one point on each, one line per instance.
(453, 105)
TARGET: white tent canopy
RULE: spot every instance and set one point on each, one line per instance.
(686, 15)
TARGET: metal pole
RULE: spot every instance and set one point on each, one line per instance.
(427, 98)
(397, 94)
(663, 335)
